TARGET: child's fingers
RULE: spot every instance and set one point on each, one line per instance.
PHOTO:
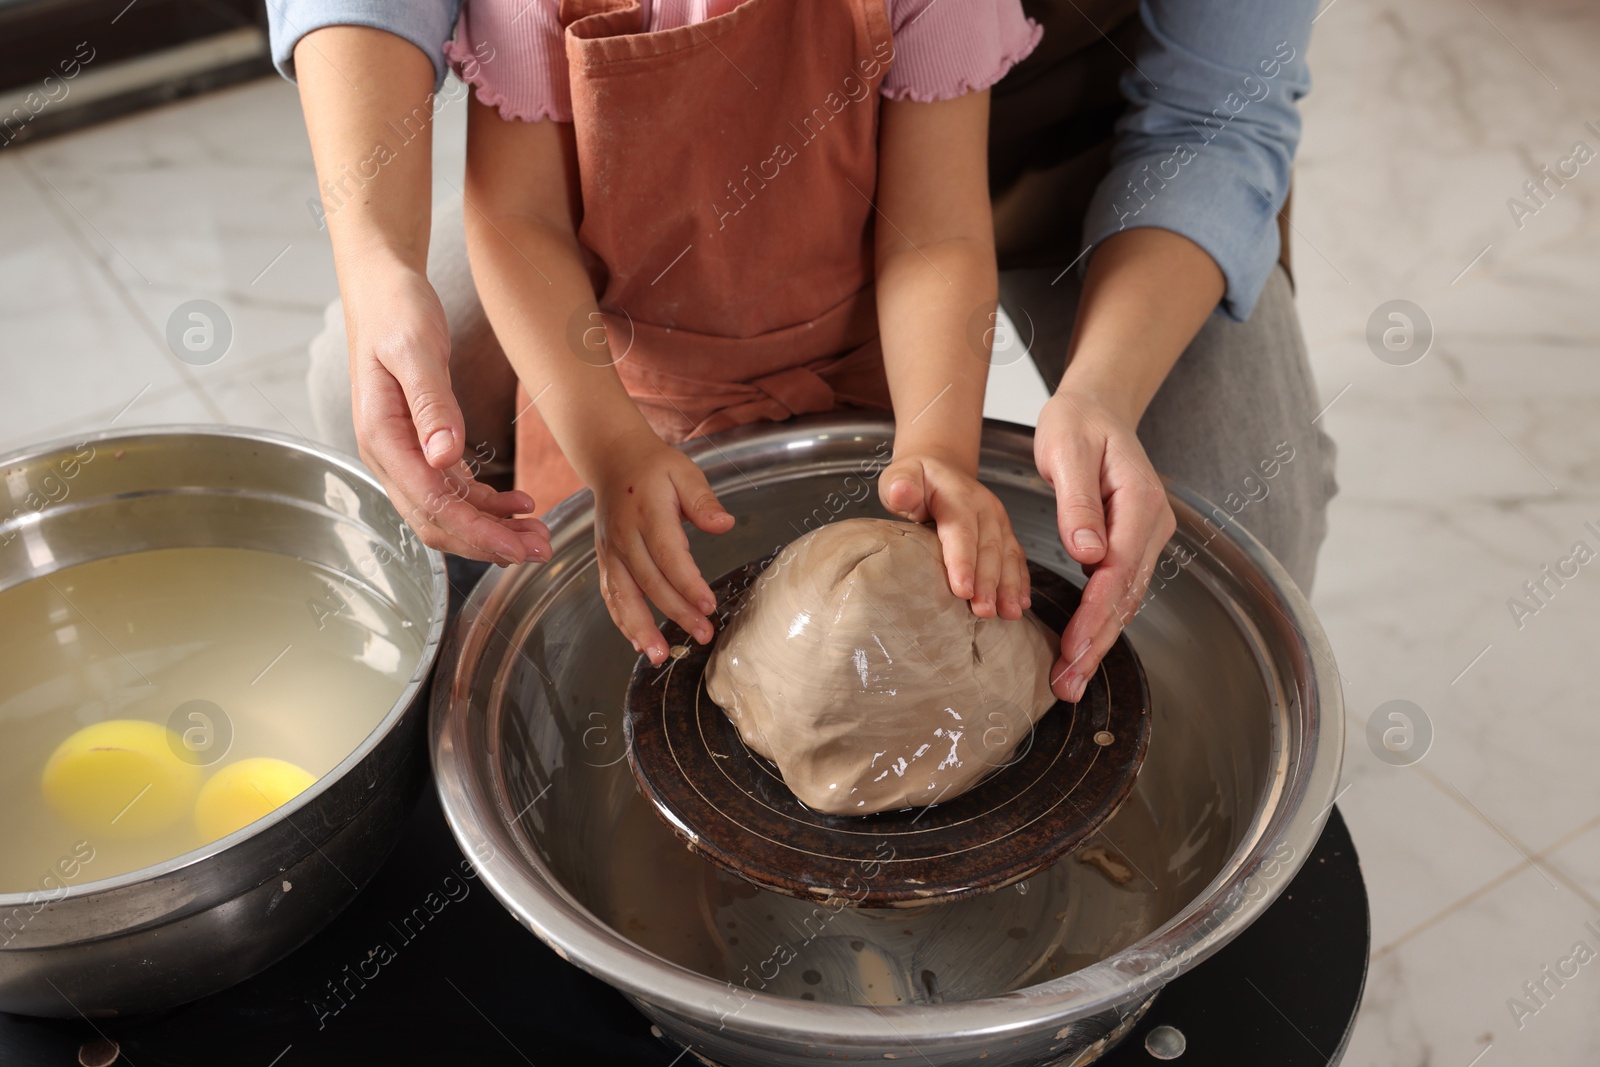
(700, 505)
(1013, 577)
(902, 491)
(626, 605)
(986, 580)
(958, 534)
(669, 550)
(641, 558)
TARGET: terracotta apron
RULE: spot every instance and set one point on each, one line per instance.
(729, 165)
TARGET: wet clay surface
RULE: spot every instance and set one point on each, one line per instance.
(1066, 777)
(851, 665)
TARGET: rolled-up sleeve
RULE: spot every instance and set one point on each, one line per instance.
(425, 23)
(1206, 144)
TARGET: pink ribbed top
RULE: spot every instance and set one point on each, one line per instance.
(512, 52)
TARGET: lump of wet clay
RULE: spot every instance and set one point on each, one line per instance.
(851, 665)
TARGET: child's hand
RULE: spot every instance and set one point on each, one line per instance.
(986, 565)
(641, 501)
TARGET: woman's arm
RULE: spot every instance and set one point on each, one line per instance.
(354, 83)
(1160, 266)
(523, 202)
(1147, 293)
(936, 292)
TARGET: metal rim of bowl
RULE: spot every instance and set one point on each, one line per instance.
(434, 639)
(579, 937)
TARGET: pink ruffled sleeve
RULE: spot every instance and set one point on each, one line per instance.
(514, 57)
(947, 48)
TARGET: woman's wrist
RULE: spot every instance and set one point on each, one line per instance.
(1095, 381)
(372, 260)
(1147, 293)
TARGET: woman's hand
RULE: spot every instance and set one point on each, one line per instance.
(409, 427)
(985, 563)
(643, 495)
(353, 81)
(1113, 517)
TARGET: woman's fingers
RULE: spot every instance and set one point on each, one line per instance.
(1070, 452)
(626, 604)
(531, 534)
(415, 517)
(1113, 518)
(436, 421)
(430, 533)
(500, 504)
(1141, 522)
(388, 439)
(528, 524)
(1125, 607)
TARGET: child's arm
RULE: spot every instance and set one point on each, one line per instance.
(936, 295)
(522, 197)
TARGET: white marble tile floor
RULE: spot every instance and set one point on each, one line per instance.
(1463, 473)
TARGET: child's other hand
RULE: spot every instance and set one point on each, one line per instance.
(641, 501)
(985, 563)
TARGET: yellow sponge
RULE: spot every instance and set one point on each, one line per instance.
(121, 779)
(242, 792)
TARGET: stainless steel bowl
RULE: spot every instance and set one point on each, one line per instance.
(1244, 757)
(157, 937)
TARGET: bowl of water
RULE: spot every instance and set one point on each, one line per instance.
(217, 649)
(1245, 743)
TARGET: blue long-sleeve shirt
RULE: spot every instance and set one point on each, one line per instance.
(1204, 148)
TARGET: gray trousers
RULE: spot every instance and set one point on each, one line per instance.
(1238, 401)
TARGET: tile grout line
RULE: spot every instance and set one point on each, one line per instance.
(1465, 805)
(1498, 880)
(76, 236)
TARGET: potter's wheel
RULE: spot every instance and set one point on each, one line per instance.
(730, 805)
(473, 986)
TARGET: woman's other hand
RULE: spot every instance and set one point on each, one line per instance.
(1113, 517)
(354, 81)
(409, 426)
